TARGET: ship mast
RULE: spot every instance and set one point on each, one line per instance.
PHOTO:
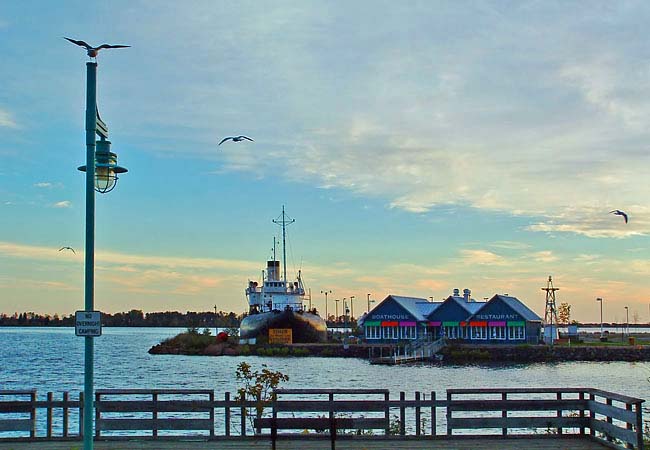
(284, 222)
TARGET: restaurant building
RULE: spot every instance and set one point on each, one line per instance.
(502, 319)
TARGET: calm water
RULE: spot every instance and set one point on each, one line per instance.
(51, 359)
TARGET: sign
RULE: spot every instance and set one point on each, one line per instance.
(280, 336)
(88, 323)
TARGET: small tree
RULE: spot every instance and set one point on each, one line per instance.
(564, 313)
(257, 385)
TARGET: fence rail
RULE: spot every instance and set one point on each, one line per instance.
(610, 418)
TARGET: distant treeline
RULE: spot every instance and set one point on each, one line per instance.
(133, 318)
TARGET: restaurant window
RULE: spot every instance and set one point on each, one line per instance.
(517, 332)
(497, 332)
(479, 332)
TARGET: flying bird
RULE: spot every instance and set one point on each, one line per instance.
(92, 51)
(68, 248)
(235, 139)
(618, 212)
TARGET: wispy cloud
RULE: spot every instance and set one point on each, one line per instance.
(43, 184)
(6, 118)
(63, 204)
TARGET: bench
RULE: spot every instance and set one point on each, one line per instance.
(330, 422)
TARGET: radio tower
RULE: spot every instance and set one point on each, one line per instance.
(550, 314)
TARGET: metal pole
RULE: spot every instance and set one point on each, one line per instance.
(351, 308)
(601, 315)
(91, 125)
(368, 302)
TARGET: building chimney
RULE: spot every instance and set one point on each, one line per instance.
(467, 295)
(456, 292)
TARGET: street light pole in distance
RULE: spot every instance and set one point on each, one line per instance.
(326, 292)
(600, 300)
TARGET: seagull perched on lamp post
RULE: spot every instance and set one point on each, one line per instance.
(235, 139)
(618, 212)
(92, 51)
(68, 248)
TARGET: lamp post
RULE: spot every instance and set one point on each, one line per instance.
(326, 292)
(215, 320)
(336, 317)
(351, 308)
(101, 175)
(601, 316)
(345, 324)
(627, 321)
(369, 302)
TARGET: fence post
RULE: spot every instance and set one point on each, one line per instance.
(32, 415)
(582, 412)
(81, 414)
(639, 426)
(402, 413)
(212, 414)
(628, 407)
(49, 415)
(332, 421)
(609, 420)
(504, 413)
(387, 412)
(243, 416)
(65, 414)
(433, 413)
(154, 413)
(97, 413)
(592, 415)
(449, 429)
(258, 414)
(558, 396)
(417, 413)
(227, 413)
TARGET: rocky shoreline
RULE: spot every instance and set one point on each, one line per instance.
(454, 354)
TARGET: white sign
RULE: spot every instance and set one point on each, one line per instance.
(88, 323)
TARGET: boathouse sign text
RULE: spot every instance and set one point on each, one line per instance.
(390, 316)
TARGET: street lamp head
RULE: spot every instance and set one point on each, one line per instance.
(106, 168)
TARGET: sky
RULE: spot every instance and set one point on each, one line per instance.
(420, 146)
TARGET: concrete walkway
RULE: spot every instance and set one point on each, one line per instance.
(312, 444)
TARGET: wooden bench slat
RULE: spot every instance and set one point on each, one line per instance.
(322, 423)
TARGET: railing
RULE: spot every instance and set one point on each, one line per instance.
(613, 419)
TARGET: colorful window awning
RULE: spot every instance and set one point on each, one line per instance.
(516, 324)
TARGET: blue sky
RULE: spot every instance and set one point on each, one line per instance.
(420, 146)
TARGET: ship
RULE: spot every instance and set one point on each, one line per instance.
(276, 305)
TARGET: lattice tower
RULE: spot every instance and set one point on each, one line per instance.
(550, 314)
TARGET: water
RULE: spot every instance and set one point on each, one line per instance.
(51, 359)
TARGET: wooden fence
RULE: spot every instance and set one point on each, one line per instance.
(329, 413)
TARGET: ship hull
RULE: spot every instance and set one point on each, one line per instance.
(306, 328)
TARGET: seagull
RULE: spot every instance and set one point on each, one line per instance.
(618, 212)
(92, 51)
(235, 139)
(68, 248)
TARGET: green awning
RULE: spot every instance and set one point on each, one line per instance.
(372, 323)
(516, 324)
(449, 324)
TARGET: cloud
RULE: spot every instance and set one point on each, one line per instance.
(43, 185)
(63, 204)
(6, 118)
(482, 257)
